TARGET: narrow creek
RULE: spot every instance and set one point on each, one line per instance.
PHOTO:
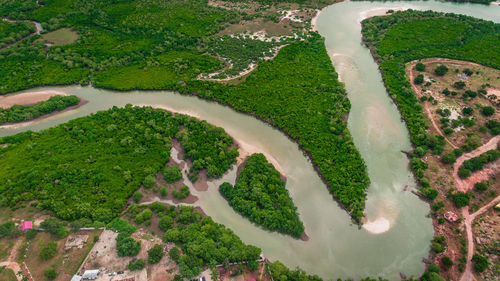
(398, 233)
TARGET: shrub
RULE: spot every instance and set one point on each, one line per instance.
(174, 254)
(448, 158)
(430, 193)
(54, 227)
(480, 186)
(149, 181)
(172, 174)
(447, 262)
(165, 223)
(467, 111)
(419, 79)
(136, 265)
(143, 216)
(461, 199)
(446, 92)
(50, 273)
(163, 192)
(127, 246)
(181, 194)
(463, 172)
(468, 72)
(155, 254)
(494, 127)
(441, 70)
(459, 85)
(137, 196)
(487, 111)
(470, 94)
(480, 263)
(48, 251)
(420, 67)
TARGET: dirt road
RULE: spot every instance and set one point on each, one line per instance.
(468, 219)
(427, 109)
(463, 185)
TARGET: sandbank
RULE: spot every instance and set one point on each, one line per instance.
(28, 98)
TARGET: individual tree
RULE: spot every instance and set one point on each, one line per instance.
(419, 79)
(441, 70)
(137, 196)
(127, 246)
(447, 262)
(136, 264)
(459, 85)
(155, 254)
(461, 199)
(420, 67)
(481, 263)
(165, 222)
(172, 174)
(174, 254)
(48, 251)
(487, 111)
(54, 227)
(50, 273)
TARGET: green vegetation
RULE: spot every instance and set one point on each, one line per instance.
(204, 242)
(50, 273)
(60, 37)
(439, 244)
(8, 229)
(155, 254)
(413, 35)
(54, 227)
(7, 274)
(441, 70)
(481, 263)
(477, 163)
(183, 193)
(127, 246)
(172, 174)
(260, 195)
(153, 44)
(460, 199)
(19, 113)
(137, 264)
(240, 52)
(11, 32)
(90, 166)
(48, 251)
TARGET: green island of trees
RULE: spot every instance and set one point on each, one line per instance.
(413, 35)
(260, 195)
(154, 44)
(89, 167)
(19, 113)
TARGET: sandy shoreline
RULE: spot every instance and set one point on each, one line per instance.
(29, 122)
(28, 98)
(378, 12)
(245, 149)
(314, 21)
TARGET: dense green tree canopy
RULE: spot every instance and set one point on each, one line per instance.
(90, 166)
(260, 195)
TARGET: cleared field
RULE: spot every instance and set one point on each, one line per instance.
(60, 37)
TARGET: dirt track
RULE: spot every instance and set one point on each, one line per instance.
(466, 185)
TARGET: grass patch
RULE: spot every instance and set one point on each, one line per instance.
(60, 37)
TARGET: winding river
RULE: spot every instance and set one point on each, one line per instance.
(397, 234)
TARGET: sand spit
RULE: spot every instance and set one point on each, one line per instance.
(245, 149)
(28, 98)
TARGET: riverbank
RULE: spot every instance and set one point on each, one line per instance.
(28, 98)
(32, 121)
(244, 149)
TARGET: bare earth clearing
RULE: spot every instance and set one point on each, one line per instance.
(444, 177)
